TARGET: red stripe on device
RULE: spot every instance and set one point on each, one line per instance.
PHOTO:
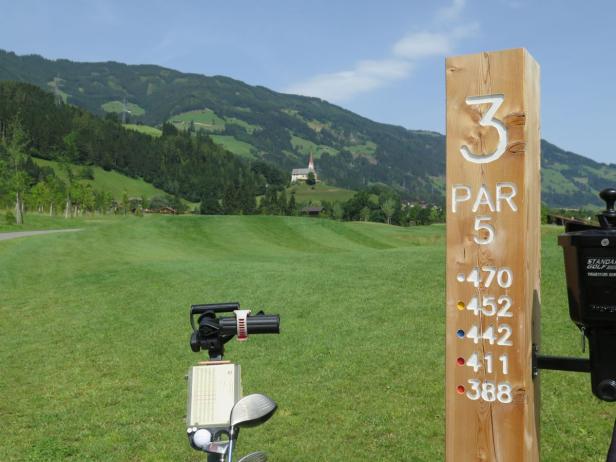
(242, 324)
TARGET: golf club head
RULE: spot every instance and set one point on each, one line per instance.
(217, 447)
(252, 410)
(254, 457)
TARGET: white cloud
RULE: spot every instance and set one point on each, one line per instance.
(422, 45)
(367, 75)
(343, 85)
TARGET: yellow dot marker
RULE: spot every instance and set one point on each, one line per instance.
(461, 306)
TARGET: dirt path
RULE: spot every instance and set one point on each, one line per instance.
(15, 235)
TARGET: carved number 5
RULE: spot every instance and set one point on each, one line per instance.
(488, 120)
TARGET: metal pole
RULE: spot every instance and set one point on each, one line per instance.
(611, 453)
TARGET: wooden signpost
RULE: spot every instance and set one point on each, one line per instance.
(493, 256)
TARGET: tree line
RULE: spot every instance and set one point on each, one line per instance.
(377, 203)
(24, 185)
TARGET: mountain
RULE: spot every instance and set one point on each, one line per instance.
(192, 167)
(258, 123)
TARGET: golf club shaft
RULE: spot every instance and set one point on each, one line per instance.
(230, 448)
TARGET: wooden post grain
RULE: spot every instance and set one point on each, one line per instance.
(493, 256)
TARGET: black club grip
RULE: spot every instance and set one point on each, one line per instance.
(257, 324)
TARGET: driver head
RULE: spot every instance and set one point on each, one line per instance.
(252, 410)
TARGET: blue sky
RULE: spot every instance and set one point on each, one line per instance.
(383, 60)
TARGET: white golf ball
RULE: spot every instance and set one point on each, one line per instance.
(202, 437)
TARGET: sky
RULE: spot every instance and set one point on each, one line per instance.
(384, 60)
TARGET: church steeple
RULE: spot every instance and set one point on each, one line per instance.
(311, 163)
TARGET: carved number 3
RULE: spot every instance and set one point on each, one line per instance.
(488, 120)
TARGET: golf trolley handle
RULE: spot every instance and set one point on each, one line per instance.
(214, 307)
(257, 324)
(211, 333)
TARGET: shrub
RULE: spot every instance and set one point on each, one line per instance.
(86, 173)
(9, 217)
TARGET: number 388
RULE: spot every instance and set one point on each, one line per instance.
(489, 391)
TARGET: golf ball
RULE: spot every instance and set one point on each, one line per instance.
(202, 437)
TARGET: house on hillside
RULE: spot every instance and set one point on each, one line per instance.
(162, 210)
(301, 174)
(312, 210)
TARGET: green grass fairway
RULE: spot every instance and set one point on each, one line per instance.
(109, 181)
(94, 343)
(319, 192)
(37, 221)
(152, 131)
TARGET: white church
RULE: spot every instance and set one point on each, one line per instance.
(301, 174)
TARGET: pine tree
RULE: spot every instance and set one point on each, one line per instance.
(283, 205)
(292, 208)
(230, 199)
(248, 201)
(210, 204)
(269, 203)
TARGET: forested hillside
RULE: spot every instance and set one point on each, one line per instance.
(192, 167)
(352, 151)
(571, 180)
(259, 124)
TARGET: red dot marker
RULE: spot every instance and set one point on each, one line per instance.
(460, 389)
(460, 361)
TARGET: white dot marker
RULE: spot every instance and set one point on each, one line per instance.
(460, 277)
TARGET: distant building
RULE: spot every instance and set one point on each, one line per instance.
(301, 174)
(312, 210)
(163, 210)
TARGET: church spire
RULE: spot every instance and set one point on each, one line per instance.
(311, 163)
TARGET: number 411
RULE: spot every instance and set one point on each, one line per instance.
(488, 359)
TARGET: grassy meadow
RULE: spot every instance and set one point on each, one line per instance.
(108, 181)
(112, 181)
(118, 107)
(94, 344)
(230, 143)
(305, 193)
(205, 119)
(145, 129)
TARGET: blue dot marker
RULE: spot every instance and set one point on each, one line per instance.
(460, 333)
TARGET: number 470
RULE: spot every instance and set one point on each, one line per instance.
(503, 276)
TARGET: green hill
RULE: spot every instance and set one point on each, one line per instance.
(569, 179)
(100, 317)
(192, 167)
(353, 151)
(108, 181)
(258, 123)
